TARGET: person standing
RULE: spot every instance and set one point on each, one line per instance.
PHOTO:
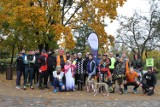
(29, 67)
(104, 69)
(68, 55)
(51, 63)
(69, 74)
(79, 75)
(43, 70)
(91, 67)
(36, 67)
(113, 60)
(19, 70)
(137, 64)
(85, 66)
(149, 81)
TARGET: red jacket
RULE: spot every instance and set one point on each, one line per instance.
(43, 65)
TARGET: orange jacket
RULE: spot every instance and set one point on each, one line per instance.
(59, 60)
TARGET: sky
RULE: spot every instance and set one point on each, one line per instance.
(127, 10)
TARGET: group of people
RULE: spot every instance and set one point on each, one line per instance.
(69, 72)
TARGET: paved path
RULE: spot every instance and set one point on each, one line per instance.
(6, 101)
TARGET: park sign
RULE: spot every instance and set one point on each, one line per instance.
(149, 62)
(93, 43)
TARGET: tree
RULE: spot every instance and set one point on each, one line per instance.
(42, 23)
(139, 32)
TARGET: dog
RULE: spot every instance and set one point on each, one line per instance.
(90, 85)
(98, 85)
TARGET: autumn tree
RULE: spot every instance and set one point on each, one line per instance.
(42, 23)
(139, 33)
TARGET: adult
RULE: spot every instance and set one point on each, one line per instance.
(86, 60)
(43, 70)
(51, 66)
(68, 55)
(29, 67)
(131, 79)
(69, 74)
(105, 74)
(121, 66)
(113, 60)
(79, 75)
(61, 59)
(91, 66)
(137, 64)
(19, 70)
(36, 67)
(149, 81)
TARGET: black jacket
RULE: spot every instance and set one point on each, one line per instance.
(19, 64)
(51, 62)
(150, 79)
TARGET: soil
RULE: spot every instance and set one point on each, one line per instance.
(8, 88)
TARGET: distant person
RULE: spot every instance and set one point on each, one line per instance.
(86, 59)
(19, 70)
(149, 81)
(131, 79)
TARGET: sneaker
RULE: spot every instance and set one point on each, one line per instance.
(18, 87)
(55, 90)
(24, 88)
(125, 91)
(32, 87)
(134, 91)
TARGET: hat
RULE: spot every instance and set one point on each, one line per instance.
(80, 53)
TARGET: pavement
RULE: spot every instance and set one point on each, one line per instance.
(9, 101)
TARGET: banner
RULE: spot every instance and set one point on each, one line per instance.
(149, 62)
(93, 43)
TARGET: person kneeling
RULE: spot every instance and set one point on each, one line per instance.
(131, 79)
(57, 82)
(148, 82)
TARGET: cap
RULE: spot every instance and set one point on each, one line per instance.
(79, 53)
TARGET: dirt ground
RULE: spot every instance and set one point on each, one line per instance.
(8, 89)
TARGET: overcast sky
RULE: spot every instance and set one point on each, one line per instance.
(127, 10)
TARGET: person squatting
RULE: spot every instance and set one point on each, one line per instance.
(70, 72)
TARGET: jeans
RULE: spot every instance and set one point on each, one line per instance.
(19, 74)
(59, 84)
(30, 72)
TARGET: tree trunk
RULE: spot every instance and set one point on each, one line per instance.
(13, 49)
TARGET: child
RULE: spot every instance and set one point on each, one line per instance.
(69, 73)
(57, 82)
(19, 69)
